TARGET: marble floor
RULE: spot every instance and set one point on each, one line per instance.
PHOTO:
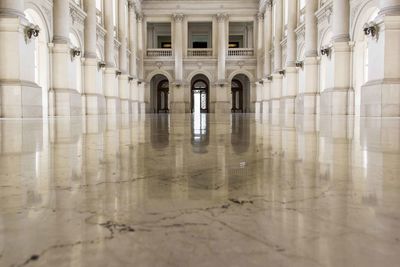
(176, 190)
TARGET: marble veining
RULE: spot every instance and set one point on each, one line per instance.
(204, 190)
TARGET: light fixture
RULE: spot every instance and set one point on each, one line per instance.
(326, 51)
(371, 29)
(299, 64)
(282, 72)
(75, 52)
(269, 77)
(31, 31)
(101, 65)
(118, 73)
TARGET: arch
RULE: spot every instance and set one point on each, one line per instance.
(159, 90)
(41, 55)
(154, 73)
(31, 6)
(200, 72)
(200, 94)
(364, 13)
(326, 37)
(75, 39)
(246, 73)
(241, 96)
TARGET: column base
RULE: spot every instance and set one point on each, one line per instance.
(142, 107)
(222, 107)
(113, 105)
(178, 107)
(287, 105)
(135, 107)
(334, 102)
(67, 102)
(95, 104)
(306, 103)
(265, 107)
(126, 107)
(20, 100)
(275, 105)
(381, 98)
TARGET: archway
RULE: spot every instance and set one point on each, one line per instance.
(42, 73)
(200, 94)
(159, 94)
(240, 89)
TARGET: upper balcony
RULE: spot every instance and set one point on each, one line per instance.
(241, 39)
(159, 41)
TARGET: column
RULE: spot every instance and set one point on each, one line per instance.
(267, 57)
(260, 65)
(123, 84)
(20, 95)
(133, 58)
(308, 99)
(93, 97)
(141, 51)
(290, 92)
(177, 92)
(67, 101)
(276, 90)
(336, 101)
(222, 103)
(380, 95)
(110, 78)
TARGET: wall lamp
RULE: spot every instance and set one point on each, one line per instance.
(101, 65)
(130, 78)
(75, 52)
(269, 77)
(326, 51)
(299, 64)
(118, 73)
(282, 72)
(371, 28)
(31, 31)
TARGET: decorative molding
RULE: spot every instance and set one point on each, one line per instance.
(178, 17)
(221, 17)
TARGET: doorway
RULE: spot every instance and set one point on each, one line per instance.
(237, 97)
(162, 96)
(199, 95)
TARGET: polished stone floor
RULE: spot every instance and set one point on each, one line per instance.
(176, 190)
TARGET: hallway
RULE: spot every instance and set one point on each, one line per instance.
(208, 190)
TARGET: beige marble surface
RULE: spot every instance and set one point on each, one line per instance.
(213, 191)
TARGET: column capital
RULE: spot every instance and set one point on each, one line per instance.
(260, 16)
(221, 17)
(178, 17)
(139, 17)
(132, 6)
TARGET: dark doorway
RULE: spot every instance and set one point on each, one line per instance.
(237, 96)
(162, 96)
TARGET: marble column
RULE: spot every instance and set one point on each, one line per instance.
(123, 84)
(338, 99)
(177, 92)
(222, 103)
(93, 96)
(67, 101)
(259, 53)
(20, 96)
(141, 51)
(276, 90)
(267, 57)
(113, 103)
(290, 92)
(133, 58)
(307, 101)
(380, 95)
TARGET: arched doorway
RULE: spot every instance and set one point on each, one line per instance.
(162, 96)
(200, 94)
(240, 89)
(42, 73)
(159, 94)
(237, 96)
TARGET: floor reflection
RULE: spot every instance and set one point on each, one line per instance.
(238, 190)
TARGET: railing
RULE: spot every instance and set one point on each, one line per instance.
(200, 52)
(241, 52)
(159, 52)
